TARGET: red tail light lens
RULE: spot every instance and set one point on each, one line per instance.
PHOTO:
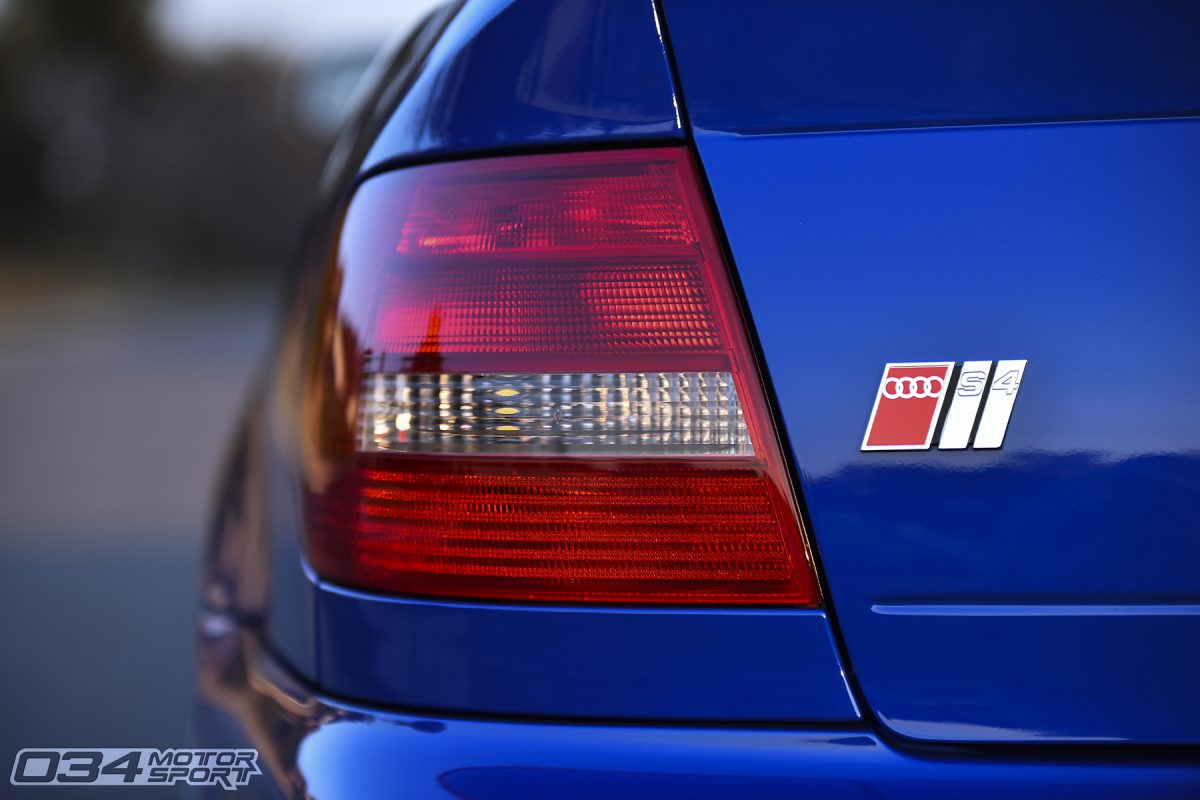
(532, 382)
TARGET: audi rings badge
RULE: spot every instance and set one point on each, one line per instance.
(894, 388)
(909, 402)
(907, 406)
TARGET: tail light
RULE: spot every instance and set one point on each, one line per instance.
(533, 382)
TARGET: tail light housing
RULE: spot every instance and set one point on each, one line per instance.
(532, 381)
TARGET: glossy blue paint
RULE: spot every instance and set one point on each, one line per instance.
(289, 615)
(595, 663)
(782, 66)
(1075, 246)
(511, 73)
(357, 757)
(252, 564)
(315, 747)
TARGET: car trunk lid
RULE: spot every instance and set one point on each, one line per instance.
(1039, 205)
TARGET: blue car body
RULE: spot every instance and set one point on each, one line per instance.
(932, 183)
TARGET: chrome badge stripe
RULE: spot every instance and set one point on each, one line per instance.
(1002, 395)
(964, 405)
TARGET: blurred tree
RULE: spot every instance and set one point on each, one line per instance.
(118, 156)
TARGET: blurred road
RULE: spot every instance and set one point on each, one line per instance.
(115, 407)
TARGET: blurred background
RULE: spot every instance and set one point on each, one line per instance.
(157, 160)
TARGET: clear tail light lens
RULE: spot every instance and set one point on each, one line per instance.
(602, 413)
(532, 382)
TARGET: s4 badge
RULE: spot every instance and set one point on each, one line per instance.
(909, 402)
